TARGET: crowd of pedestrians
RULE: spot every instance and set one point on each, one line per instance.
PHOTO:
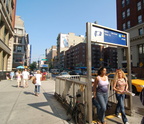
(22, 78)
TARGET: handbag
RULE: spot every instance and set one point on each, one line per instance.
(34, 80)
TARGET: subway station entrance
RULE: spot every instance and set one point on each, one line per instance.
(106, 36)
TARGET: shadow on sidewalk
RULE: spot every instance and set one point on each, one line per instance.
(28, 93)
(56, 107)
(113, 121)
(140, 111)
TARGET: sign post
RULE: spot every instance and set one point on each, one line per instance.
(104, 35)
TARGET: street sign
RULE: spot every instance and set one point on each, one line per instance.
(44, 59)
(44, 65)
(106, 35)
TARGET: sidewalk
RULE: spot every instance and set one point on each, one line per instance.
(21, 106)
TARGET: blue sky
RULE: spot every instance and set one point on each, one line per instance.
(45, 19)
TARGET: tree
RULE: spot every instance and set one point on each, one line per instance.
(33, 66)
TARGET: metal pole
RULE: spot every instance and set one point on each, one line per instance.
(89, 86)
(129, 70)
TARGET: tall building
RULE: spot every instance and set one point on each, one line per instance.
(75, 56)
(65, 41)
(21, 47)
(7, 21)
(50, 54)
(130, 18)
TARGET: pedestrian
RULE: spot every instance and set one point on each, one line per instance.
(120, 87)
(19, 78)
(38, 77)
(101, 93)
(12, 75)
(25, 76)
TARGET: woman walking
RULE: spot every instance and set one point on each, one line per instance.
(38, 77)
(120, 86)
(101, 93)
(19, 79)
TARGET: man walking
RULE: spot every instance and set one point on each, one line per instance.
(25, 76)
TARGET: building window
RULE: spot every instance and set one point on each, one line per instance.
(128, 12)
(19, 49)
(139, 6)
(123, 15)
(127, 2)
(140, 49)
(140, 31)
(140, 19)
(123, 3)
(20, 40)
(124, 26)
(128, 24)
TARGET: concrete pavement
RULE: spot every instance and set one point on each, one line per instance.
(21, 106)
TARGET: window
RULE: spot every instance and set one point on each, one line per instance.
(123, 15)
(140, 31)
(19, 49)
(123, 3)
(124, 26)
(127, 2)
(139, 6)
(20, 40)
(140, 49)
(128, 12)
(140, 19)
(128, 24)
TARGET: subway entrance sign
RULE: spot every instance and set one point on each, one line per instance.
(109, 36)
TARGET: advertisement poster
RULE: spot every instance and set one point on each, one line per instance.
(64, 41)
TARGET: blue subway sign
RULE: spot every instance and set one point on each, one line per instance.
(109, 36)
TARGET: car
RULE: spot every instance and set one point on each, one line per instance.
(137, 84)
(76, 72)
(64, 74)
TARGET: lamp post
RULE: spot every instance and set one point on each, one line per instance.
(39, 60)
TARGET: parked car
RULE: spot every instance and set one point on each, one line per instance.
(64, 74)
(76, 72)
(137, 84)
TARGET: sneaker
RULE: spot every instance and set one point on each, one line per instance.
(119, 116)
(127, 123)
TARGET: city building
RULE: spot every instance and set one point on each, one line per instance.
(75, 56)
(130, 18)
(64, 42)
(50, 54)
(110, 57)
(7, 22)
(21, 47)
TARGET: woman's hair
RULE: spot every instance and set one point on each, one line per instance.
(19, 72)
(116, 74)
(38, 71)
(100, 70)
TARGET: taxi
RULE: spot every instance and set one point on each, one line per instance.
(137, 84)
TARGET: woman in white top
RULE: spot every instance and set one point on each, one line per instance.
(38, 82)
(19, 79)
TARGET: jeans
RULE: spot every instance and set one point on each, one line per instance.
(102, 100)
(37, 88)
(96, 104)
(120, 106)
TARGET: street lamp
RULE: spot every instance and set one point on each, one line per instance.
(39, 60)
